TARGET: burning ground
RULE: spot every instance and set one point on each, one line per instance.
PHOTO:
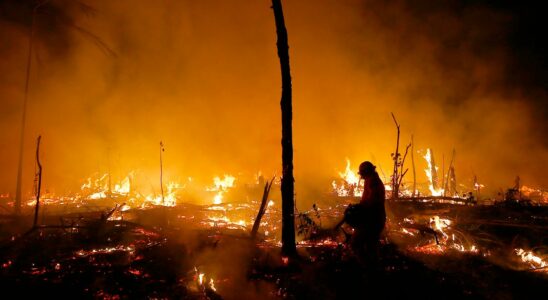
(121, 244)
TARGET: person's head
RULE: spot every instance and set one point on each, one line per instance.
(366, 169)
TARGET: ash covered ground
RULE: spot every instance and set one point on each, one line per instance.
(429, 250)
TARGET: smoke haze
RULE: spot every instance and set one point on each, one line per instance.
(112, 80)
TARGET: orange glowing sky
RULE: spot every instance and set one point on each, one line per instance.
(203, 77)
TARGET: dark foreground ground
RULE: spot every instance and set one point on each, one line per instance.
(140, 260)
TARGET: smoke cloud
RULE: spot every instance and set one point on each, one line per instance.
(111, 79)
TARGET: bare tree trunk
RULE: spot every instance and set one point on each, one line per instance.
(452, 185)
(288, 202)
(396, 156)
(413, 164)
(447, 178)
(39, 184)
(442, 186)
(109, 175)
(17, 204)
(402, 173)
(434, 171)
(162, 173)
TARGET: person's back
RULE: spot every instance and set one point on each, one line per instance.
(365, 241)
(373, 202)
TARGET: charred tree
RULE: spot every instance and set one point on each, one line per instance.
(38, 181)
(288, 185)
(413, 167)
(517, 187)
(395, 157)
(262, 209)
(17, 204)
(399, 162)
(452, 185)
(59, 19)
(433, 170)
(162, 173)
(447, 178)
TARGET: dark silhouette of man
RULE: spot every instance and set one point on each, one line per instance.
(367, 233)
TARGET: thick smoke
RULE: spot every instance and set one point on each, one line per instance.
(112, 80)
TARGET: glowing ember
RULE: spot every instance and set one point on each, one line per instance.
(7, 264)
(328, 242)
(135, 272)
(462, 248)
(431, 249)
(404, 230)
(84, 253)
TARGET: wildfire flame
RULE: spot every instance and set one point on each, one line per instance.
(535, 262)
(202, 280)
(350, 185)
(450, 238)
(221, 186)
(534, 194)
(170, 198)
(434, 190)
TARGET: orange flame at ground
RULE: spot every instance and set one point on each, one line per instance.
(536, 195)
(169, 199)
(350, 185)
(534, 261)
(221, 186)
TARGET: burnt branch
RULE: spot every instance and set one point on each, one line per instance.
(262, 208)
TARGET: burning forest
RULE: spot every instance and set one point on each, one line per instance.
(141, 149)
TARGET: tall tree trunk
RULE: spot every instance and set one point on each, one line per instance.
(288, 201)
(413, 164)
(17, 204)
